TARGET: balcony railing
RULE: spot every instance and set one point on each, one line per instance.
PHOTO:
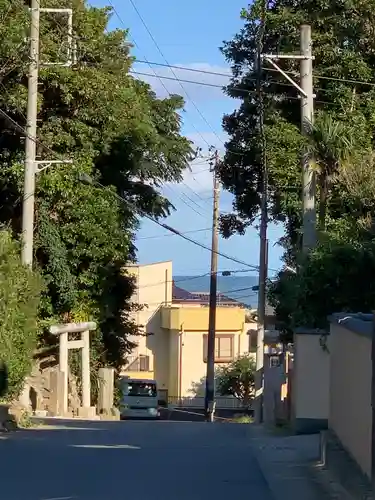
(139, 363)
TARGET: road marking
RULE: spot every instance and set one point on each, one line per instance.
(47, 427)
(60, 498)
(108, 446)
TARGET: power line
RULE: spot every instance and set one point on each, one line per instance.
(220, 295)
(145, 60)
(24, 130)
(206, 72)
(168, 235)
(191, 199)
(161, 224)
(214, 85)
(172, 71)
(164, 86)
(192, 278)
(184, 201)
(227, 75)
(184, 68)
(156, 75)
(88, 180)
(234, 302)
(332, 78)
(175, 79)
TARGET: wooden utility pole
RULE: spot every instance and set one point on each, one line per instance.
(209, 403)
(263, 260)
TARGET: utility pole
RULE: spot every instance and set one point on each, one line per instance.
(262, 294)
(209, 403)
(263, 260)
(306, 92)
(33, 166)
(30, 147)
(307, 117)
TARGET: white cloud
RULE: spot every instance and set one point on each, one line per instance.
(198, 177)
(202, 72)
(200, 169)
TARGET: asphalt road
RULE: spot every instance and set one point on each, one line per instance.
(131, 460)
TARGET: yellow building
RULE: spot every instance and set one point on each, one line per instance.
(173, 346)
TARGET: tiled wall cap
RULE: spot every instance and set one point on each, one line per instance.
(360, 323)
(310, 331)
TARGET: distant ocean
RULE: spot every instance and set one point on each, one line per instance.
(235, 287)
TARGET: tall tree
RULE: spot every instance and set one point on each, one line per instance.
(238, 380)
(343, 46)
(330, 146)
(115, 129)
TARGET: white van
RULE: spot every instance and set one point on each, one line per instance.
(139, 399)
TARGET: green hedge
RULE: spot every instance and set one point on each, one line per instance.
(19, 300)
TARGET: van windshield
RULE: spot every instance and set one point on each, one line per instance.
(141, 389)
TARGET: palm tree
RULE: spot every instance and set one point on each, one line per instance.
(330, 146)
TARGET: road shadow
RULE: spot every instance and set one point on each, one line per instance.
(63, 459)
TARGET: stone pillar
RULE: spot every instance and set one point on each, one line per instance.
(86, 385)
(63, 366)
(57, 393)
(24, 397)
(106, 389)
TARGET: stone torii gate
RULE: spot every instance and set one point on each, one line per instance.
(83, 343)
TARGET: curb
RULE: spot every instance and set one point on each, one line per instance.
(288, 476)
(339, 469)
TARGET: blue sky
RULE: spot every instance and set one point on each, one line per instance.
(189, 34)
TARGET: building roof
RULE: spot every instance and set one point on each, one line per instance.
(203, 298)
(137, 264)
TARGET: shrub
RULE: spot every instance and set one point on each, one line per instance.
(19, 299)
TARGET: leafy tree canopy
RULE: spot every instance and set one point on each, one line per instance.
(340, 141)
(334, 278)
(237, 379)
(19, 299)
(113, 128)
(343, 47)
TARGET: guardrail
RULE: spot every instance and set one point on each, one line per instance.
(222, 402)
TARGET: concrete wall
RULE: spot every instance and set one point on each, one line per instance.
(153, 289)
(174, 363)
(311, 374)
(196, 318)
(351, 385)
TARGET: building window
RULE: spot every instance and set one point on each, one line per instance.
(144, 363)
(139, 363)
(224, 348)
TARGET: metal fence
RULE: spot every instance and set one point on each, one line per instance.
(198, 402)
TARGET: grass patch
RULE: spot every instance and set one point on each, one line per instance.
(242, 419)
